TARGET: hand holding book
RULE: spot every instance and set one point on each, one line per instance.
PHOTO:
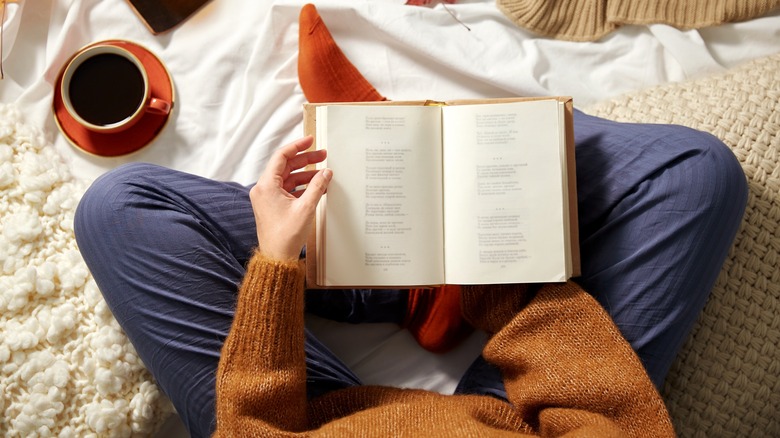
(283, 211)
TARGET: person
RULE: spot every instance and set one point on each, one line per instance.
(204, 278)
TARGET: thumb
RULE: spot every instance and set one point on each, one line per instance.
(316, 188)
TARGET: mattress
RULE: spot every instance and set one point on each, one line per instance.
(237, 98)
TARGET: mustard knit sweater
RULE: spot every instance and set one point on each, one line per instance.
(589, 20)
(567, 370)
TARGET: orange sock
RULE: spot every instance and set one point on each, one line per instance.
(324, 72)
(434, 318)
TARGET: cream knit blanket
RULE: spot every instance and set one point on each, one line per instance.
(68, 370)
(726, 381)
(66, 367)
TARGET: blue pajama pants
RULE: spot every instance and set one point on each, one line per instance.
(659, 207)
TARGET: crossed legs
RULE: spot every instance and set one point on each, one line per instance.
(659, 207)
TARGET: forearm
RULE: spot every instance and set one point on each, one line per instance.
(261, 378)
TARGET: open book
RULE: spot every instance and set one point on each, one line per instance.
(430, 193)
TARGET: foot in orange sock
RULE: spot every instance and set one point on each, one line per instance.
(324, 72)
(434, 318)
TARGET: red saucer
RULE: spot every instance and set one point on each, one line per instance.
(133, 138)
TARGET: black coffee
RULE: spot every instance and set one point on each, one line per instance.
(106, 89)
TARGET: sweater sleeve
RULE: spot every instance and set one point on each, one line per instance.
(491, 307)
(567, 368)
(261, 377)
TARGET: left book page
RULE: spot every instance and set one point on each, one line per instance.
(387, 182)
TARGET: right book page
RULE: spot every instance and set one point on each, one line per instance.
(505, 193)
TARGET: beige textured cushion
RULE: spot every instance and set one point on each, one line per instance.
(726, 381)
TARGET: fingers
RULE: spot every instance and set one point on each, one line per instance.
(304, 159)
(316, 188)
(280, 160)
(297, 179)
(282, 166)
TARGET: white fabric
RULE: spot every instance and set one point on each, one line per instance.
(237, 94)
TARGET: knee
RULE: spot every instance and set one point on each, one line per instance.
(712, 166)
(104, 203)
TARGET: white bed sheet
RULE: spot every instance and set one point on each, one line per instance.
(237, 94)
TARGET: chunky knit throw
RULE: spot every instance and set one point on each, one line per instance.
(66, 367)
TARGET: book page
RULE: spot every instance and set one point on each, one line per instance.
(504, 198)
(383, 209)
